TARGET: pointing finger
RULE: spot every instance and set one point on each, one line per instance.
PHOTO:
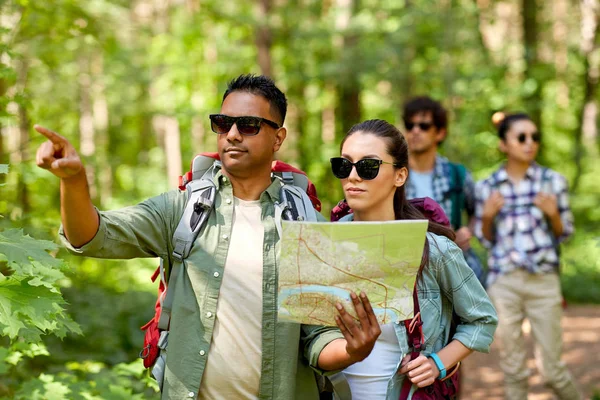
(51, 135)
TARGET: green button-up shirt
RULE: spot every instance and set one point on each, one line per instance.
(146, 230)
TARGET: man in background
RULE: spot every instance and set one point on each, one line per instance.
(432, 175)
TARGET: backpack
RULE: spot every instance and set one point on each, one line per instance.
(458, 174)
(298, 201)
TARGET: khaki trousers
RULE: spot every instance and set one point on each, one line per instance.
(519, 295)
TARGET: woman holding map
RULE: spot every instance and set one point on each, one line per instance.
(373, 169)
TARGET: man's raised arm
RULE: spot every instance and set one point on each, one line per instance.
(79, 217)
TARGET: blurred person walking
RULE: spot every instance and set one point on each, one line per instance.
(434, 176)
(522, 214)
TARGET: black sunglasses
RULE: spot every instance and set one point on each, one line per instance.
(424, 126)
(367, 168)
(248, 126)
(536, 137)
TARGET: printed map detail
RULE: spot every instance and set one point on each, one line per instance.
(321, 263)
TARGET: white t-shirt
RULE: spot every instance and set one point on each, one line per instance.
(423, 183)
(369, 378)
(233, 367)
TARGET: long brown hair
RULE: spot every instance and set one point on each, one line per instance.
(398, 149)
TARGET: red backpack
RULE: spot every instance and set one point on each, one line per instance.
(157, 328)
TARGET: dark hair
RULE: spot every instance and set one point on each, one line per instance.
(504, 121)
(424, 104)
(398, 149)
(262, 86)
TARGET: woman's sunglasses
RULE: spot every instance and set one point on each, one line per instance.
(535, 137)
(248, 126)
(424, 126)
(367, 168)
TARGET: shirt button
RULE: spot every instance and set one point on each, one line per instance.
(191, 394)
(209, 314)
(225, 237)
(228, 201)
(224, 179)
(216, 274)
(268, 247)
(202, 352)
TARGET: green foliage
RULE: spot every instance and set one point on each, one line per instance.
(579, 271)
(31, 308)
(65, 62)
(90, 381)
(30, 301)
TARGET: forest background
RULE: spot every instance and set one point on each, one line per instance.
(131, 84)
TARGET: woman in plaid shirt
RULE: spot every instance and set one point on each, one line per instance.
(522, 214)
(373, 171)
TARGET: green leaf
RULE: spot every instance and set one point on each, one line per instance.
(21, 250)
(45, 387)
(28, 311)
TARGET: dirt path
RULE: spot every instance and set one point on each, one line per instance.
(581, 335)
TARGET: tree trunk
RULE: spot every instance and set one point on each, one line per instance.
(530, 41)
(86, 125)
(168, 128)
(348, 85)
(198, 135)
(3, 149)
(23, 143)
(588, 113)
(264, 37)
(100, 116)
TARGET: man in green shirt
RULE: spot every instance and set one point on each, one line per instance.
(225, 341)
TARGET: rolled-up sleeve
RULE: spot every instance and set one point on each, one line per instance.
(142, 230)
(478, 318)
(315, 339)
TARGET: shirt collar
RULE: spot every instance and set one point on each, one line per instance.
(271, 194)
(501, 175)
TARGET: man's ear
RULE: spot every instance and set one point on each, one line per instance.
(401, 176)
(441, 135)
(280, 136)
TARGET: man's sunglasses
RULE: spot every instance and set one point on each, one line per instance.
(367, 168)
(248, 126)
(535, 137)
(424, 126)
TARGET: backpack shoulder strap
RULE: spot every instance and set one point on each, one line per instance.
(294, 179)
(201, 193)
(296, 204)
(201, 196)
(457, 196)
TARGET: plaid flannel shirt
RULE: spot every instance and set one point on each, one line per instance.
(442, 190)
(523, 237)
(442, 194)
